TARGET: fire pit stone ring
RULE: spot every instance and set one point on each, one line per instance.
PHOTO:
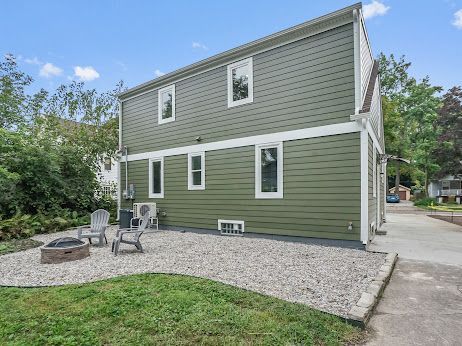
(63, 250)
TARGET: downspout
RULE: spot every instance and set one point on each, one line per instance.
(119, 192)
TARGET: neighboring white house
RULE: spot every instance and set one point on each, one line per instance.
(108, 176)
(447, 186)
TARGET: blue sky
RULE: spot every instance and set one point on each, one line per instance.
(103, 41)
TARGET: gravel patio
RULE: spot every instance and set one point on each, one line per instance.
(326, 278)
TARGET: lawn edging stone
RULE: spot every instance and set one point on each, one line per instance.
(362, 311)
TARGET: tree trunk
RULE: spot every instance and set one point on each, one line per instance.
(397, 177)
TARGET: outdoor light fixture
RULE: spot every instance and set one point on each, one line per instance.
(198, 138)
(350, 226)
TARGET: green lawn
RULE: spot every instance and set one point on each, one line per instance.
(161, 309)
(443, 207)
(15, 245)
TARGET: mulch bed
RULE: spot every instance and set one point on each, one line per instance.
(456, 219)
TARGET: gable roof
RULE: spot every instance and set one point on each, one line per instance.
(401, 187)
(298, 32)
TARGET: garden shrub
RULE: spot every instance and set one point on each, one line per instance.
(425, 202)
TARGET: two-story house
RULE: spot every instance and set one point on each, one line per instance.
(280, 136)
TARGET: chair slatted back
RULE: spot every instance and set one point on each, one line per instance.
(144, 223)
(99, 220)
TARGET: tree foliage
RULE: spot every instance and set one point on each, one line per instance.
(410, 109)
(51, 145)
(448, 153)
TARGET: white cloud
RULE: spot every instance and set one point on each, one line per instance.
(33, 61)
(199, 45)
(375, 8)
(49, 70)
(159, 73)
(458, 19)
(87, 73)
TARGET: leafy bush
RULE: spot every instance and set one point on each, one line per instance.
(50, 150)
(425, 202)
(25, 225)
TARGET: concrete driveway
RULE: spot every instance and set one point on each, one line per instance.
(422, 304)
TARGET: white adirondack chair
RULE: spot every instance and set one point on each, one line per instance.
(130, 236)
(97, 228)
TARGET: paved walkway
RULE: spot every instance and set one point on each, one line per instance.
(422, 304)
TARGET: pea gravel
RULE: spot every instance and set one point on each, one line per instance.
(327, 278)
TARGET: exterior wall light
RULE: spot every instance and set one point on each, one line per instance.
(350, 226)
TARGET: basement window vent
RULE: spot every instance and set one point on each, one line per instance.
(231, 227)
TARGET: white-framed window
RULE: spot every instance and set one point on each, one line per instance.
(240, 82)
(107, 164)
(374, 172)
(166, 104)
(269, 180)
(196, 171)
(156, 177)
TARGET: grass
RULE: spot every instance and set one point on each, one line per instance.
(15, 245)
(161, 309)
(443, 207)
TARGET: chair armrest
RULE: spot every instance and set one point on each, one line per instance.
(122, 230)
(134, 232)
(82, 226)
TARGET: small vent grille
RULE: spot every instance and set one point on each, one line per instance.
(231, 227)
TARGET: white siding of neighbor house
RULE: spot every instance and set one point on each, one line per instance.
(109, 177)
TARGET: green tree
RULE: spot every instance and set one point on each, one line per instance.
(16, 107)
(50, 146)
(395, 80)
(448, 153)
(410, 112)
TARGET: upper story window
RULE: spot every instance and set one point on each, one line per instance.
(240, 83)
(166, 100)
(196, 171)
(268, 171)
(107, 164)
(156, 177)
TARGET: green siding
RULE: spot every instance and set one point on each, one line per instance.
(372, 200)
(321, 189)
(303, 84)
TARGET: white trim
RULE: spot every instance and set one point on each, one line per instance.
(311, 132)
(190, 179)
(357, 60)
(374, 171)
(170, 88)
(364, 145)
(376, 142)
(119, 178)
(280, 171)
(152, 194)
(360, 116)
(246, 62)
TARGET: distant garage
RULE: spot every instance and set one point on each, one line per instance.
(404, 192)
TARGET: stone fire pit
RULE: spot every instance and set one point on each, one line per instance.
(64, 250)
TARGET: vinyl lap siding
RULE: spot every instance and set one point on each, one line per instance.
(372, 200)
(321, 190)
(376, 113)
(366, 59)
(303, 84)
